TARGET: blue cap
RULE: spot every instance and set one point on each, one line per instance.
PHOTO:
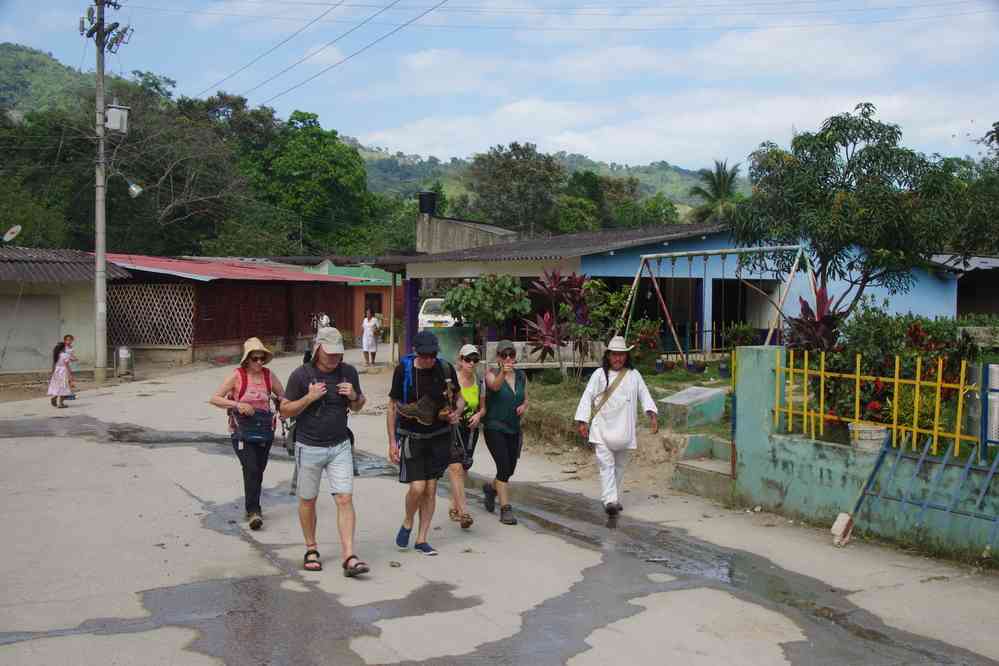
(425, 342)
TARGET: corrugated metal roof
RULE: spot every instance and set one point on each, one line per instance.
(957, 262)
(27, 264)
(571, 245)
(206, 270)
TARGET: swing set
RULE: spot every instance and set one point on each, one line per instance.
(645, 265)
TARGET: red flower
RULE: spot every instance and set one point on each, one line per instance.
(874, 406)
(879, 386)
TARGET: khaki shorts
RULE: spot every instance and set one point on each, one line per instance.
(336, 462)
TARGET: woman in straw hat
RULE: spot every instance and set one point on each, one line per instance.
(247, 394)
(606, 418)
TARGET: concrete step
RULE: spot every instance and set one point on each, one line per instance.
(707, 477)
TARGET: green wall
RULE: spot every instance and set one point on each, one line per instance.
(813, 480)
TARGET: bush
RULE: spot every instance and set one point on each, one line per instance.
(549, 377)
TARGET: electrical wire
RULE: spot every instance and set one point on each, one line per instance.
(322, 48)
(357, 52)
(615, 12)
(605, 29)
(272, 49)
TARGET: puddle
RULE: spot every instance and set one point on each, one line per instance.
(267, 620)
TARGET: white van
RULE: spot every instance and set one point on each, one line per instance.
(432, 314)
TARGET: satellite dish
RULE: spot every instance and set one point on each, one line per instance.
(12, 233)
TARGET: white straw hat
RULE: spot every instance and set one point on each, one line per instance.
(617, 344)
(255, 345)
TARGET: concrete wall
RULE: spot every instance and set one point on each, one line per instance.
(933, 295)
(434, 234)
(47, 313)
(813, 480)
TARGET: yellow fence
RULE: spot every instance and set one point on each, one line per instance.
(806, 412)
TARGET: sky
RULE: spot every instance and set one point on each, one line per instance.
(626, 81)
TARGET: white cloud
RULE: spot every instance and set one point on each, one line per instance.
(689, 129)
(323, 55)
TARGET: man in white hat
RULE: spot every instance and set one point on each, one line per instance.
(318, 396)
(607, 414)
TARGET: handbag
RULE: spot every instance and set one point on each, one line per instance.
(258, 428)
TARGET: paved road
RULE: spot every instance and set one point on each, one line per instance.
(123, 543)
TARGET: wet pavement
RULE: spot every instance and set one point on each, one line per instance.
(288, 618)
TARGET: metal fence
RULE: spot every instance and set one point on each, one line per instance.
(920, 403)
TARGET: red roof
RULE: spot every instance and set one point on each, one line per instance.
(206, 271)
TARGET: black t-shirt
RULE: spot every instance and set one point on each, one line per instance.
(428, 382)
(324, 422)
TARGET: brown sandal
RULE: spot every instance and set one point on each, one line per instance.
(466, 521)
(453, 514)
(316, 564)
(355, 569)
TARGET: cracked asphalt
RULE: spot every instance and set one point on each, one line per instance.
(124, 543)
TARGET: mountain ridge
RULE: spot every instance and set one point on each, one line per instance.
(31, 79)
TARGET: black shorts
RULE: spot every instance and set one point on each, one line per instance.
(429, 458)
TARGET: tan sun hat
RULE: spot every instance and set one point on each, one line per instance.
(617, 344)
(255, 345)
(329, 339)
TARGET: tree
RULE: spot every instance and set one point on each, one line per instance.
(488, 301)
(718, 190)
(575, 214)
(659, 210)
(517, 187)
(854, 196)
(312, 173)
(442, 200)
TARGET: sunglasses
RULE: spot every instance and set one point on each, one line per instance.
(258, 359)
(470, 359)
(508, 354)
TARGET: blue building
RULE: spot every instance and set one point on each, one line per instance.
(704, 293)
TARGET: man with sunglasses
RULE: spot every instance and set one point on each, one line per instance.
(318, 396)
(427, 390)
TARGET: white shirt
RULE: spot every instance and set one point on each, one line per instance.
(616, 422)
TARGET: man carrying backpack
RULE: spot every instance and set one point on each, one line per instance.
(319, 395)
(424, 406)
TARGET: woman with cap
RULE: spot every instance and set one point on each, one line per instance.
(606, 418)
(473, 394)
(506, 399)
(247, 394)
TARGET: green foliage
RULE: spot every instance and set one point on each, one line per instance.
(739, 335)
(605, 307)
(255, 230)
(855, 195)
(33, 81)
(41, 226)
(575, 214)
(979, 319)
(718, 193)
(879, 337)
(488, 301)
(516, 186)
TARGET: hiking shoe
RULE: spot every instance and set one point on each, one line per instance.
(402, 537)
(506, 515)
(425, 548)
(489, 497)
(611, 509)
(256, 521)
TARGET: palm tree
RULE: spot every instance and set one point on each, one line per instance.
(718, 190)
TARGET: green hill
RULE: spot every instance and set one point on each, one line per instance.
(31, 80)
(34, 80)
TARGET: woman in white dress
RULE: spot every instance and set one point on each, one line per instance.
(61, 383)
(607, 414)
(369, 336)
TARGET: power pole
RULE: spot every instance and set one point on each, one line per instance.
(100, 211)
(104, 37)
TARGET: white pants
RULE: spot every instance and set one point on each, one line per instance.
(611, 465)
